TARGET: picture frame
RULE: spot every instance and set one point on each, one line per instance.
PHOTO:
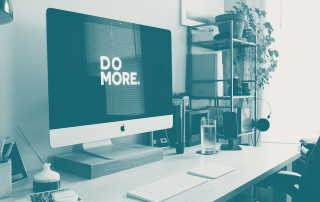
(19, 172)
(198, 12)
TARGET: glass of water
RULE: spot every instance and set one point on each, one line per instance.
(208, 136)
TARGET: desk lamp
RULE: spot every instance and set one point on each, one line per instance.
(6, 12)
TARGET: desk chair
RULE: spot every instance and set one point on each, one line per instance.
(308, 188)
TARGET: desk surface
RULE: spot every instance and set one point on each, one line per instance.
(253, 164)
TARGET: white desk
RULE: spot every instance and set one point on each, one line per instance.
(253, 165)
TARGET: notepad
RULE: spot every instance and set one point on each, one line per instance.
(211, 170)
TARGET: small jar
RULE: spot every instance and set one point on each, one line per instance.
(245, 88)
(46, 179)
(237, 87)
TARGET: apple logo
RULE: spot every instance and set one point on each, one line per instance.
(122, 128)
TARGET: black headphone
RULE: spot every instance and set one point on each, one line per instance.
(262, 124)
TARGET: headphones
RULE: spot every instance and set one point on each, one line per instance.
(262, 124)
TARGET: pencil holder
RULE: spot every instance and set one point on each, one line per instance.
(5, 179)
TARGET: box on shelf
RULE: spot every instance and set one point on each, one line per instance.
(204, 34)
(205, 69)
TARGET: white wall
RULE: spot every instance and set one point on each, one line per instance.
(23, 62)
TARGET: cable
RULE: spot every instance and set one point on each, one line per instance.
(251, 140)
(165, 130)
(258, 138)
(266, 102)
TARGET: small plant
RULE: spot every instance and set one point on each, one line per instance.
(261, 34)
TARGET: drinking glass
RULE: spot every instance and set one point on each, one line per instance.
(208, 136)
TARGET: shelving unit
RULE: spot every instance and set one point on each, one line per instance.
(218, 45)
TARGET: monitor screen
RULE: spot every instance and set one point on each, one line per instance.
(102, 70)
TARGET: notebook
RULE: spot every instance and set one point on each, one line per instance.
(211, 170)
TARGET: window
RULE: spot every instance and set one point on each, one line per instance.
(294, 89)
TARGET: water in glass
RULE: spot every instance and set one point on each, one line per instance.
(208, 136)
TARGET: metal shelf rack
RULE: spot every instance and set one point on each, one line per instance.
(217, 45)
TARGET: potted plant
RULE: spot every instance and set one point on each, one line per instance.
(238, 24)
(266, 56)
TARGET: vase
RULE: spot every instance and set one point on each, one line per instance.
(46, 179)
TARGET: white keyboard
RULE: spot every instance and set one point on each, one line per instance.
(166, 188)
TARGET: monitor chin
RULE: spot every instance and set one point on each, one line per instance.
(91, 133)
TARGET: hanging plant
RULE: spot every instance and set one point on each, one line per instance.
(266, 56)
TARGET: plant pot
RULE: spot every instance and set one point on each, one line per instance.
(238, 24)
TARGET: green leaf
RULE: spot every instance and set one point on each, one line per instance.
(276, 53)
(270, 52)
(257, 11)
(235, 8)
(243, 5)
(267, 25)
(263, 13)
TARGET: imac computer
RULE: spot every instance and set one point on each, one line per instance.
(106, 78)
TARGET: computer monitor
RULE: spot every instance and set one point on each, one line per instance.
(106, 78)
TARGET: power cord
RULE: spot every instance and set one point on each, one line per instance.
(267, 103)
(165, 130)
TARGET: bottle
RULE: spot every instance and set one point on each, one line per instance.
(46, 179)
